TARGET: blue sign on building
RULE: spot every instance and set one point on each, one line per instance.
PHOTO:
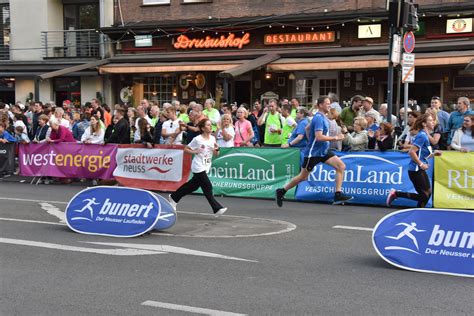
(427, 240)
(369, 177)
(118, 212)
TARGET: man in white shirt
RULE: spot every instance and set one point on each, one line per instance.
(367, 107)
(172, 132)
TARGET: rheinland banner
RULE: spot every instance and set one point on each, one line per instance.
(427, 240)
(454, 180)
(253, 172)
(67, 160)
(7, 158)
(369, 177)
(162, 168)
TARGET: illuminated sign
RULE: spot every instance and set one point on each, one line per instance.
(143, 41)
(299, 38)
(459, 26)
(370, 31)
(230, 41)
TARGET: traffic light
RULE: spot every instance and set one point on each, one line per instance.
(403, 13)
(410, 17)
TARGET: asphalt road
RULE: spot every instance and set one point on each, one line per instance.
(257, 260)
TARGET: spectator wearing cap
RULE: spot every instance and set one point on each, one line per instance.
(348, 114)
(368, 107)
(443, 116)
(358, 140)
(456, 118)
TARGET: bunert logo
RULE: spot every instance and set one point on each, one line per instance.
(118, 212)
(427, 240)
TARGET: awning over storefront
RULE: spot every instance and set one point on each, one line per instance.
(170, 67)
(368, 61)
(248, 66)
(72, 69)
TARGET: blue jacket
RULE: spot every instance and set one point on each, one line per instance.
(455, 121)
(6, 135)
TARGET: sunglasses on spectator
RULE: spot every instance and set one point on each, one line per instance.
(435, 98)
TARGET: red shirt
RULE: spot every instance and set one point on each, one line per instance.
(63, 134)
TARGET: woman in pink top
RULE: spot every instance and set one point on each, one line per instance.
(243, 129)
(59, 133)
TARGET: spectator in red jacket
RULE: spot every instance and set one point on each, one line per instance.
(59, 133)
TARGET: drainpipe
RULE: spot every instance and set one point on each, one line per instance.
(102, 24)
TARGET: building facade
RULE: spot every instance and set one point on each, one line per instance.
(48, 49)
(244, 51)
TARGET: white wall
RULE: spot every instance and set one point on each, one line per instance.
(46, 90)
(22, 88)
(28, 19)
(89, 87)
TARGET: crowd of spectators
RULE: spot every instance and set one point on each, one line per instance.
(276, 123)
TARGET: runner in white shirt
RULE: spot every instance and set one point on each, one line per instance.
(172, 132)
(203, 147)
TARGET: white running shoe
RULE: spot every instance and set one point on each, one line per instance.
(172, 202)
(220, 212)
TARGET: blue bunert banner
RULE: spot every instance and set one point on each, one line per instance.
(427, 240)
(118, 212)
(369, 177)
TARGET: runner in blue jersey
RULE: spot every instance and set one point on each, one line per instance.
(420, 152)
(317, 151)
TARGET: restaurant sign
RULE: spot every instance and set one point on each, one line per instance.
(299, 38)
(230, 41)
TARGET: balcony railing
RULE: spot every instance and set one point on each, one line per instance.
(70, 43)
(4, 52)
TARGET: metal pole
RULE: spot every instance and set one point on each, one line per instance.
(390, 76)
(399, 89)
(406, 104)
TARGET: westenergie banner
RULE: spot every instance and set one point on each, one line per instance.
(369, 177)
(67, 160)
(253, 172)
(163, 168)
(454, 180)
(7, 157)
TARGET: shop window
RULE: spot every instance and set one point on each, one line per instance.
(463, 83)
(327, 85)
(159, 89)
(308, 95)
(4, 32)
(155, 2)
(195, 1)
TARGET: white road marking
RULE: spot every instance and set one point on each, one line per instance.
(172, 249)
(113, 252)
(29, 221)
(190, 309)
(353, 228)
(55, 211)
(27, 200)
(289, 226)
